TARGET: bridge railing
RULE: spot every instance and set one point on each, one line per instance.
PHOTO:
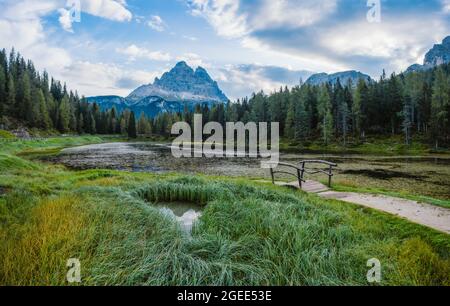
(303, 169)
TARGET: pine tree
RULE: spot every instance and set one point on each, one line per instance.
(64, 115)
(132, 126)
(359, 101)
(11, 96)
(440, 106)
(44, 119)
(289, 129)
(301, 124)
(144, 127)
(112, 121)
(34, 114)
(23, 99)
(3, 93)
(325, 115)
(80, 124)
(406, 119)
(123, 125)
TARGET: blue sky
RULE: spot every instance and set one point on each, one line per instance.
(246, 45)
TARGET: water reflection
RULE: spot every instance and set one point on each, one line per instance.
(185, 213)
(422, 175)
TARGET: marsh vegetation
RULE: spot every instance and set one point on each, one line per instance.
(248, 234)
(420, 176)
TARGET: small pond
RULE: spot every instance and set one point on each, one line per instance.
(184, 212)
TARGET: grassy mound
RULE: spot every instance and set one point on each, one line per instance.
(6, 135)
(9, 162)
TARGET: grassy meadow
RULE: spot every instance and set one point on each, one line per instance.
(249, 233)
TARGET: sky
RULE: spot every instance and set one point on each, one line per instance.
(110, 47)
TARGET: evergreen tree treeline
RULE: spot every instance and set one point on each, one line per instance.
(39, 102)
(416, 103)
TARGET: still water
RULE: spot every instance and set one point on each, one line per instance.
(427, 175)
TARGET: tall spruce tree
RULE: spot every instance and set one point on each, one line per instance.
(325, 115)
(64, 115)
(440, 107)
(132, 126)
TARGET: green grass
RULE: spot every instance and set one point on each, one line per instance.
(6, 135)
(18, 145)
(249, 233)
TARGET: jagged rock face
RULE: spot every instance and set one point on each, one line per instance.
(181, 85)
(438, 55)
(343, 77)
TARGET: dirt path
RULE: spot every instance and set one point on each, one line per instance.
(428, 215)
(432, 216)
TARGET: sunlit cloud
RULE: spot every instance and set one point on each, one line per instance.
(134, 52)
(157, 24)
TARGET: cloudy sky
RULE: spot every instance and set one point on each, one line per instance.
(246, 45)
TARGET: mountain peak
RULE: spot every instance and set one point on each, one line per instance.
(438, 55)
(343, 77)
(181, 64)
(183, 84)
(201, 73)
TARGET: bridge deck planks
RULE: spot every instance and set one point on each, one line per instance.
(308, 186)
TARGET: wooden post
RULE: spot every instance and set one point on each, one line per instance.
(303, 170)
(272, 175)
(299, 179)
(330, 174)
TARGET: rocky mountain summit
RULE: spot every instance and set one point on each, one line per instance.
(344, 77)
(181, 85)
(438, 55)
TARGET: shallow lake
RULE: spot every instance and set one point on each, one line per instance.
(428, 175)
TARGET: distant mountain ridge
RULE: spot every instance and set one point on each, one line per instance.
(179, 87)
(344, 77)
(438, 55)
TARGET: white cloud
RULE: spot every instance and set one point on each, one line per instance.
(21, 28)
(223, 15)
(27, 9)
(233, 18)
(390, 40)
(65, 20)
(446, 6)
(291, 14)
(134, 52)
(239, 81)
(238, 84)
(315, 33)
(109, 9)
(157, 24)
(92, 79)
(193, 60)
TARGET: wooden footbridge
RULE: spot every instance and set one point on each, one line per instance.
(299, 172)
